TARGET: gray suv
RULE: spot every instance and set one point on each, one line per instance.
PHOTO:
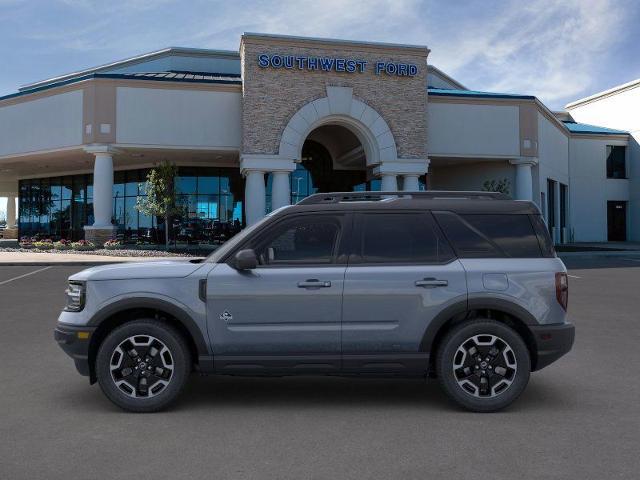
(462, 286)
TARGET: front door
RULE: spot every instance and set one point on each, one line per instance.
(401, 274)
(286, 313)
(617, 221)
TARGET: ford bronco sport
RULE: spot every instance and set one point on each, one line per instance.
(462, 286)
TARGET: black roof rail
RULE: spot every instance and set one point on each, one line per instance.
(337, 197)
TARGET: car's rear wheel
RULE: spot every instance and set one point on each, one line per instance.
(483, 365)
(143, 365)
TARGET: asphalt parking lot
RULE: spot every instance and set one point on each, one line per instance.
(578, 419)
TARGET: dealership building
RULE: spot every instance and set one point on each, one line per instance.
(284, 117)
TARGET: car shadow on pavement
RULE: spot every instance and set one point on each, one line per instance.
(327, 392)
(220, 392)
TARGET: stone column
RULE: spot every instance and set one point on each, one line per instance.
(389, 182)
(280, 190)
(409, 169)
(411, 183)
(11, 232)
(524, 178)
(102, 228)
(254, 196)
(254, 166)
(11, 211)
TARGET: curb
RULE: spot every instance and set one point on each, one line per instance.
(56, 264)
(596, 253)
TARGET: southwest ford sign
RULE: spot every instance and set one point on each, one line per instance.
(333, 64)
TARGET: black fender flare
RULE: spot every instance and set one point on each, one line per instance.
(480, 302)
(463, 307)
(155, 304)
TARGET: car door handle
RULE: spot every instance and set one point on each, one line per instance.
(431, 283)
(313, 283)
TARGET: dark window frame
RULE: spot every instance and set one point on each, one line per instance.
(341, 247)
(497, 251)
(613, 163)
(356, 247)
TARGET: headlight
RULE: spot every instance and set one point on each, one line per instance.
(75, 296)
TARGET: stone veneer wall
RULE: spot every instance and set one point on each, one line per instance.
(272, 96)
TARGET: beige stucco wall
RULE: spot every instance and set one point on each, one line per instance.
(619, 110)
(473, 129)
(272, 96)
(45, 123)
(178, 117)
(590, 189)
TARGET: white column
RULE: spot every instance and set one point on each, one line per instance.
(11, 211)
(280, 190)
(389, 183)
(524, 178)
(410, 183)
(254, 196)
(103, 189)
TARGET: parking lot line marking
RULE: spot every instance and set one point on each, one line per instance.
(573, 276)
(25, 275)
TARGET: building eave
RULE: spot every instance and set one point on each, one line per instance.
(116, 76)
(132, 61)
(448, 78)
(605, 93)
(319, 41)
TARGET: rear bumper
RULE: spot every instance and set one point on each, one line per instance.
(75, 340)
(552, 342)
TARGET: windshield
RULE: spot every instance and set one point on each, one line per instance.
(226, 247)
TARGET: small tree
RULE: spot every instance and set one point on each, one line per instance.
(501, 186)
(160, 200)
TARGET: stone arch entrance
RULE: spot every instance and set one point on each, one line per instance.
(339, 107)
(321, 121)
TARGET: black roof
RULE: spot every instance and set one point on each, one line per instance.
(458, 202)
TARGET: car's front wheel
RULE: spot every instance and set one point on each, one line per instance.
(143, 365)
(483, 365)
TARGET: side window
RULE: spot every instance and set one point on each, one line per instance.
(546, 245)
(616, 167)
(401, 238)
(490, 236)
(300, 240)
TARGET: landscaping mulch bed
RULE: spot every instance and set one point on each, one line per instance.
(105, 252)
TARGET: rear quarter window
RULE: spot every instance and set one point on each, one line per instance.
(490, 235)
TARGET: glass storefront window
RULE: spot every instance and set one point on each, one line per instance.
(60, 207)
(186, 184)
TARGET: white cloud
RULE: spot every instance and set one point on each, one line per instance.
(548, 48)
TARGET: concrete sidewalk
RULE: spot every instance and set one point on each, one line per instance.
(37, 259)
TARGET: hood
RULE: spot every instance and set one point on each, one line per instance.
(138, 270)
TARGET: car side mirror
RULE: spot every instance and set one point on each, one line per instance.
(245, 260)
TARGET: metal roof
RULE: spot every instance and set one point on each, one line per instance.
(176, 75)
(585, 128)
(187, 77)
(445, 92)
(132, 61)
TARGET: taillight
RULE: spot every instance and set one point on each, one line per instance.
(562, 289)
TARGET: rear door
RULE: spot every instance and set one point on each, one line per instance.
(401, 274)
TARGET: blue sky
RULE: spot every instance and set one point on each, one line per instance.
(557, 50)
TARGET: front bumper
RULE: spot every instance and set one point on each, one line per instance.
(552, 342)
(75, 340)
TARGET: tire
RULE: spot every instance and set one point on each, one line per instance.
(159, 349)
(506, 373)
